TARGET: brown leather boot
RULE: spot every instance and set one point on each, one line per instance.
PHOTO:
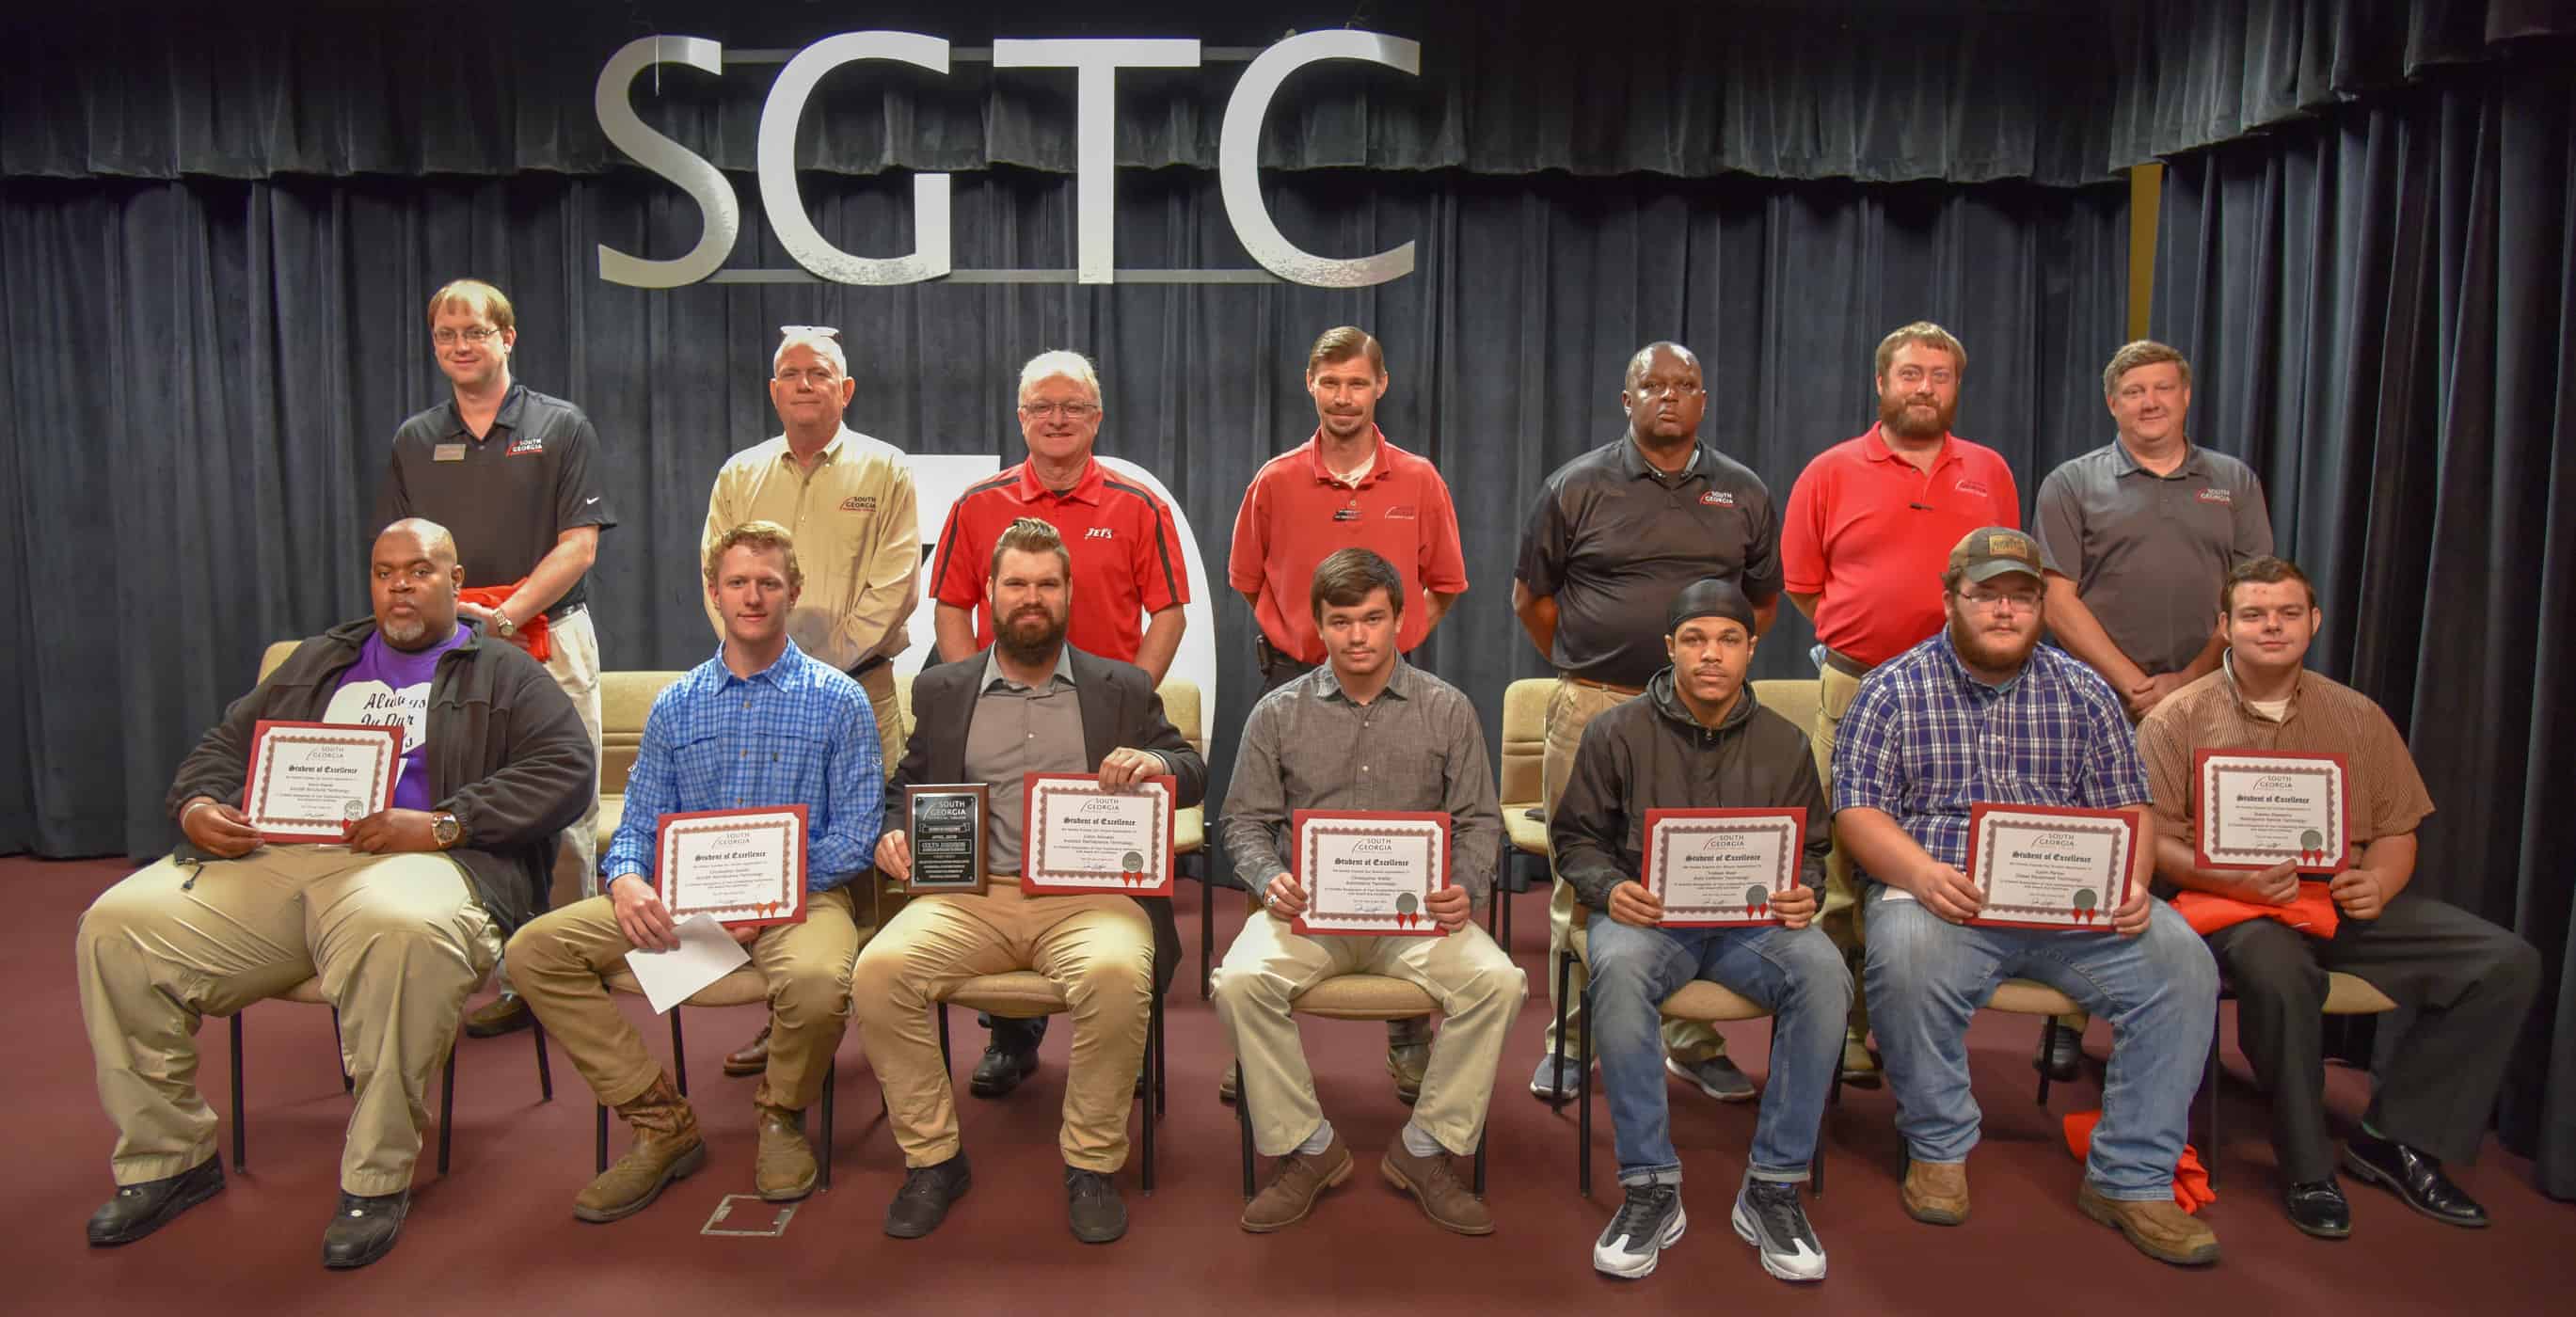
(785, 1170)
(1295, 1183)
(666, 1147)
(2159, 1229)
(1936, 1193)
(1435, 1184)
(752, 1059)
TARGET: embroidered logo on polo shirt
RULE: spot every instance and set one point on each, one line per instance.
(1098, 533)
(1346, 514)
(2219, 496)
(1976, 487)
(859, 503)
(1718, 498)
(527, 444)
(1402, 512)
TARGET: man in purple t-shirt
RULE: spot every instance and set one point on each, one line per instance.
(388, 686)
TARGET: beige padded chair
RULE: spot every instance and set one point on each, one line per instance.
(1186, 707)
(625, 699)
(743, 987)
(1025, 994)
(1519, 783)
(1353, 997)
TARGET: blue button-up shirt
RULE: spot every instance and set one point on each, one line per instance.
(1924, 740)
(793, 733)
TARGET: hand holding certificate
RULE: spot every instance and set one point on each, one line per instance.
(2258, 809)
(2042, 866)
(1079, 836)
(745, 868)
(1718, 868)
(1369, 873)
(309, 781)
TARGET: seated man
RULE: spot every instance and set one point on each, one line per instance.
(1982, 711)
(2465, 982)
(1697, 739)
(815, 738)
(1368, 731)
(1029, 704)
(399, 924)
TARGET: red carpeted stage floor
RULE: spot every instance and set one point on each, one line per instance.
(497, 1235)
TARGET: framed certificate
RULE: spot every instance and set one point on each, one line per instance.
(945, 824)
(308, 781)
(1717, 868)
(1076, 837)
(2258, 808)
(1367, 872)
(2042, 866)
(744, 867)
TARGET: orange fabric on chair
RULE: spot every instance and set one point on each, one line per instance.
(2191, 1189)
(534, 629)
(2311, 912)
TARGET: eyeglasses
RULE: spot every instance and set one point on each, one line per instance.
(1076, 412)
(473, 335)
(2017, 602)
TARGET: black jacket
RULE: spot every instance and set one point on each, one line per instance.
(1650, 753)
(508, 755)
(1119, 708)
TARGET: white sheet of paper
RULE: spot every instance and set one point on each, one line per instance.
(707, 953)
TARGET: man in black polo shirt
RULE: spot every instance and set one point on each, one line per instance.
(1616, 533)
(512, 473)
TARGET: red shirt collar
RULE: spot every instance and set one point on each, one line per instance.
(1085, 490)
(1314, 451)
(1878, 451)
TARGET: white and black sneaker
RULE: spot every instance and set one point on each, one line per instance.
(1769, 1216)
(1647, 1224)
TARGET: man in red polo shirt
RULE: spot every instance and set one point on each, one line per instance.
(1127, 564)
(1868, 534)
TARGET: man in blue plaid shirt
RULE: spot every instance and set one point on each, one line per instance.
(757, 726)
(1982, 713)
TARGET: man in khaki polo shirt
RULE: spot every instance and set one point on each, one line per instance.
(848, 500)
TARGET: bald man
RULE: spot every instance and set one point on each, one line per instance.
(399, 919)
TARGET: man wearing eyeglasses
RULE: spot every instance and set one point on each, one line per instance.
(1129, 578)
(848, 500)
(514, 473)
(1615, 534)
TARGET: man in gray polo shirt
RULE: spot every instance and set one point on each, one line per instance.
(2138, 537)
(1616, 533)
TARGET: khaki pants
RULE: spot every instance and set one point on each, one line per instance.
(1478, 987)
(398, 942)
(1099, 949)
(891, 733)
(1840, 916)
(574, 661)
(561, 957)
(1571, 709)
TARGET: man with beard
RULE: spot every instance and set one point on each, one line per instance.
(516, 474)
(1345, 487)
(2462, 983)
(1614, 535)
(399, 922)
(1368, 732)
(1983, 712)
(1700, 740)
(1127, 560)
(759, 725)
(1031, 704)
(1864, 531)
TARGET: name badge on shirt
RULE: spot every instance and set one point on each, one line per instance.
(447, 453)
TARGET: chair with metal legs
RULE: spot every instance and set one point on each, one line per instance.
(1352, 997)
(743, 987)
(1026, 994)
(2346, 994)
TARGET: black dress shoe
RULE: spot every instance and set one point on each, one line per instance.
(1092, 1206)
(364, 1229)
(927, 1194)
(139, 1209)
(2413, 1176)
(1001, 1070)
(2061, 1055)
(2318, 1208)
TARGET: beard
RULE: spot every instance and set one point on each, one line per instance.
(1991, 650)
(1031, 636)
(1896, 416)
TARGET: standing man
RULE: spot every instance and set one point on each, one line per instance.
(1371, 733)
(399, 923)
(816, 743)
(1615, 534)
(847, 500)
(515, 473)
(1127, 562)
(1983, 712)
(2139, 534)
(2463, 983)
(1866, 525)
(1345, 487)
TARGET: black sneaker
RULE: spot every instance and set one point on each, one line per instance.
(364, 1229)
(1092, 1206)
(927, 1194)
(1648, 1223)
(1770, 1217)
(139, 1209)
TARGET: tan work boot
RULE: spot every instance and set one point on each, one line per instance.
(666, 1147)
(784, 1171)
(1295, 1183)
(1936, 1193)
(1435, 1185)
(1406, 1064)
(2159, 1229)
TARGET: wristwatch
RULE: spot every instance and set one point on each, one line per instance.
(502, 626)
(445, 830)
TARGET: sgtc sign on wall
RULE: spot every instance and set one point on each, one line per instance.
(1095, 63)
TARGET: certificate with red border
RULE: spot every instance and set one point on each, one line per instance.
(1717, 868)
(2260, 807)
(2047, 866)
(1368, 873)
(1076, 837)
(744, 867)
(308, 781)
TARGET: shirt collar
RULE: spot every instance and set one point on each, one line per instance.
(1632, 460)
(1877, 450)
(993, 670)
(780, 672)
(2125, 463)
(1085, 490)
(832, 448)
(506, 418)
(2289, 710)
(1324, 475)
(1327, 684)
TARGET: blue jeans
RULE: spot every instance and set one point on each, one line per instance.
(1798, 976)
(1927, 976)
